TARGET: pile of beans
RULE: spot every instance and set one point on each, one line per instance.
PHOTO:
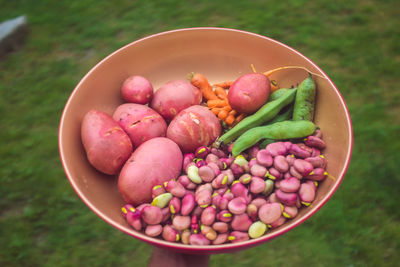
(222, 199)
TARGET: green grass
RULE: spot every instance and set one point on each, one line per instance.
(357, 43)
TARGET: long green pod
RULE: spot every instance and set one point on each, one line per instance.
(277, 131)
(264, 114)
(304, 103)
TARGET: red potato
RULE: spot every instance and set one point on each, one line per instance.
(152, 163)
(106, 144)
(137, 89)
(193, 127)
(175, 96)
(249, 92)
(140, 122)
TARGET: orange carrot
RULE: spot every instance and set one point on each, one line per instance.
(230, 119)
(218, 103)
(215, 111)
(222, 114)
(220, 92)
(224, 85)
(201, 82)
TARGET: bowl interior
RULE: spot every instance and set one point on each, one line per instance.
(221, 55)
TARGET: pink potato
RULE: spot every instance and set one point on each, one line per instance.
(137, 89)
(193, 127)
(140, 122)
(106, 144)
(249, 92)
(152, 163)
(175, 96)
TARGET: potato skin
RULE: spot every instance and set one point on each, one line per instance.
(249, 92)
(175, 96)
(152, 163)
(140, 122)
(137, 89)
(106, 144)
(193, 127)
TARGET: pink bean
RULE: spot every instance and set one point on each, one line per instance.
(221, 239)
(318, 174)
(224, 216)
(288, 199)
(252, 211)
(302, 166)
(237, 205)
(295, 173)
(226, 162)
(287, 144)
(221, 181)
(273, 199)
(264, 158)
(157, 190)
(286, 175)
(206, 186)
(197, 211)
(188, 203)
(317, 162)
(252, 162)
(214, 167)
(186, 182)
(314, 184)
(270, 212)
(142, 206)
(153, 230)
(151, 215)
(218, 152)
(194, 223)
(290, 212)
(281, 164)
(126, 208)
(241, 222)
(203, 198)
(166, 214)
(181, 223)
(170, 234)
(252, 152)
(289, 185)
(245, 178)
(206, 173)
(185, 235)
(315, 152)
(299, 151)
(199, 240)
(202, 152)
(257, 185)
(238, 236)
(281, 220)
(187, 158)
(208, 215)
(133, 219)
(290, 159)
(175, 205)
(228, 195)
(175, 188)
(306, 194)
(222, 203)
(276, 148)
(208, 232)
(318, 133)
(258, 170)
(259, 201)
(236, 169)
(221, 191)
(274, 174)
(220, 227)
(313, 141)
(239, 190)
(200, 162)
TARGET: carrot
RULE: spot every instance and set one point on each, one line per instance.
(218, 103)
(230, 119)
(201, 82)
(224, 85)
(220, 92)
(222, 114)
(215, 111)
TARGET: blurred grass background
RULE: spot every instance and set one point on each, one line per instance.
(357, 43)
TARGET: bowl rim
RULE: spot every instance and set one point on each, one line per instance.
(209, 249)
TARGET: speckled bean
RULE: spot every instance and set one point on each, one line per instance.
(259, 201)
(215, 168)
(187, 159)
(175, 188)
(208, 232)
(237, 205)
(258, 170)
(241, 222)
(245, 178)
(302, 166)
(299, 151)
(157, 190)
(257, 185)
(290, 212)
(306, 194)
(317, 161)
(276, 148)
(151, 215)
(281, 220)
(188, 203)
(252, 211)
(288, 199)
(180, 222)
(221, 239)
(185, 181)
(170, 234)
(175, 205)
(208, 215)
(238, 236)
(220, 227)
(295, 173)
(199, 240)
(314, 141)
(224, 216)
(318, 174)
(289, 185)
(274, 174)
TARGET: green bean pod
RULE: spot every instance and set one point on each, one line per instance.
(277, 131)
(278, 93)
(264, 114)
(304, 103)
